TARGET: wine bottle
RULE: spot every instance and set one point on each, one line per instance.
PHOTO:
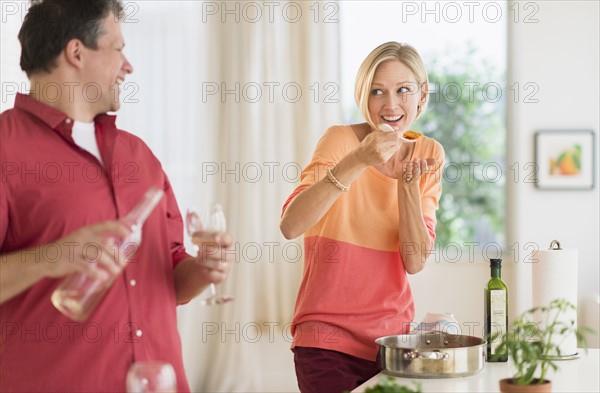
(79, 294)
(496, 313)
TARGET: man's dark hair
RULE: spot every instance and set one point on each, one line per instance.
(51, 24)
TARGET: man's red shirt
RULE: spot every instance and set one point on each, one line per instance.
(49, 188)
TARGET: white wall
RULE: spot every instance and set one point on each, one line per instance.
(560, 54)
(12, 78)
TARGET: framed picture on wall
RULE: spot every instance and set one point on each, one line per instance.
(565, 159)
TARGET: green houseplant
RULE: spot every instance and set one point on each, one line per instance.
(534, 347)
(389, 385)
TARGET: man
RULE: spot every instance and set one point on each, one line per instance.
(67, 175)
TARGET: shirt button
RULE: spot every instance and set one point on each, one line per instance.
(132, 282)
(68, 121)
(138, 332)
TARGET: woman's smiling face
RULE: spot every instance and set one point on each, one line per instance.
(395, 95)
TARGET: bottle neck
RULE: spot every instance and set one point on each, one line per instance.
(496, 272)
(136, 217)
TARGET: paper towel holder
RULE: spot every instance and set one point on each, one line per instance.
(555, 245)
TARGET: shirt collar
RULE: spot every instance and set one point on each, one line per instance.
(54, 118)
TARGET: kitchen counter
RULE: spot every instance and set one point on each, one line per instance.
(579, 375)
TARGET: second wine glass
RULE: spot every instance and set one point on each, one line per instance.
(202, 225)
(151, 377)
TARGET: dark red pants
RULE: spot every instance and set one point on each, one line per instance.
(324, 371)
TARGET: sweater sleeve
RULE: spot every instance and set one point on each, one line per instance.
(330, 150)
(431, 187)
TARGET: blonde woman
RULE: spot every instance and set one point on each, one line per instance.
(366, 205)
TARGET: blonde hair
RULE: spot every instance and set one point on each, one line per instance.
(404, 53)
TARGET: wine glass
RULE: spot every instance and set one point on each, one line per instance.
(151, 377)
(201, 226)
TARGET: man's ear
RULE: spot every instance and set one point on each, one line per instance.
(74, 52)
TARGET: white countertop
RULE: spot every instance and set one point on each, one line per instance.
(579, 375)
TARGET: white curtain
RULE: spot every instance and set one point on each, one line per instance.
(232, 97)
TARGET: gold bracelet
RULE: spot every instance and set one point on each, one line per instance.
(336, 182)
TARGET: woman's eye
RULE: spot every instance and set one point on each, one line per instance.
(377, 92)
(403, 89)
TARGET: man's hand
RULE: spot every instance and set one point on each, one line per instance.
(211, 265)
(90, 250)
(214, 255)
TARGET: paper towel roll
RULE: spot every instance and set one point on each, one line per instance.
(554, 276)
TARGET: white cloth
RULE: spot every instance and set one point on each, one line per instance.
(84, 135)
(445, 323)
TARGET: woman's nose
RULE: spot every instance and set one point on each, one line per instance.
(391, 101)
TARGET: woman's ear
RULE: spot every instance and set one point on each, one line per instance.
(424, 92)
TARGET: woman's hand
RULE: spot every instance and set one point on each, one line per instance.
(409, 172)
(378, 147)
(399, 158)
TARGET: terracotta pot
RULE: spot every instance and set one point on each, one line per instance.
(507, 386)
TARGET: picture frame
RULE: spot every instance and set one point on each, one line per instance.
(565, 159)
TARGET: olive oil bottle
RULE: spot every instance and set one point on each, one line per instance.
(496, 312)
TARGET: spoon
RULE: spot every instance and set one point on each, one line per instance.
(384, 127)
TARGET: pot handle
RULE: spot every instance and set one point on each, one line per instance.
(435, 355)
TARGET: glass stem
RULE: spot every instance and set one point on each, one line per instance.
(213, 289)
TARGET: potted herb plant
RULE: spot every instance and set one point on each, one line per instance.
(534, 347)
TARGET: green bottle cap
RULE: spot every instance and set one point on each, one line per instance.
(496, 262)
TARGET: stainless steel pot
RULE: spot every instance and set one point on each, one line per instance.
(431, 355)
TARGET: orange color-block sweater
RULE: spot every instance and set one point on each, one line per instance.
(354, 287)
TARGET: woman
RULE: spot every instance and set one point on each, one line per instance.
(366, 205)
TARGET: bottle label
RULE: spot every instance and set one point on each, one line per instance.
(497, 316)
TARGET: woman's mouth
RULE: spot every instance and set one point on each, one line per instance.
(392, 119)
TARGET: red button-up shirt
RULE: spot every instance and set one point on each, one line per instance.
(49, 188)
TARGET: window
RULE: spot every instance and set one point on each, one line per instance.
(463, 46)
